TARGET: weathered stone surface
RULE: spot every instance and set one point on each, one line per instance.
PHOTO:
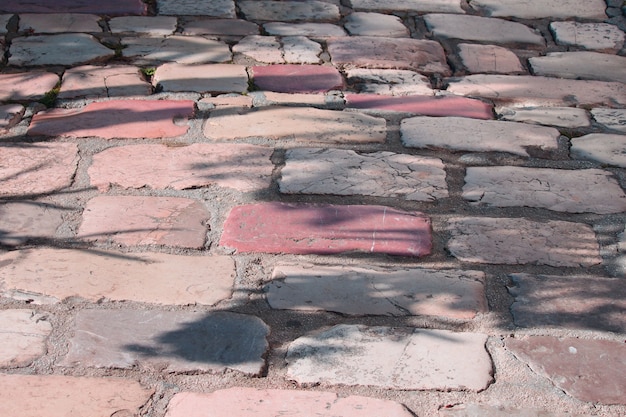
(116, 119)
(301, 50)
(208, 78)
(423, 56)
(482, 410)
(176, 341)
(22, 221)
(135, 220)
(489, 59)
(290, 49)
(611, 118)
(301, 124)
(571, 191)
(321, 101)
(444, 6)
(147, 277)
(376, 24)
(390, 82)
(380, 174)
(326, 229)
(289, 11)
(250, 402)
(465, 134)
(58, 23)
(181, 49)
(63, 49)
(549, 116)
(379, 356)
(589, 370)
(297, 78)
(95, 82)
(38, 168)
(571, 302)
(239, 166)
(581, 65)
(214, 8)
(601, 36)
(24, 334)
(109, 7)
(220, 27)
(26, 86)
(311, 30)
(520, 241)
(537, 9)
(59, 395)
(4, 21)
(602, 148)
(362, 291)
(10, 115)
(149, 25)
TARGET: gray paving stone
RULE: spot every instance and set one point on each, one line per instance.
(23, 221)
(391, 358)
(214, 8)
(581, 65)
(444, 6)
(301, 50)
(271, 50)
(570, 191)
(489, 59)
(58, 23)
(24, 334)
(380, 174)
(466, 134)
(4, 21)
(520, 241)
(26, 86)
(63, 49)
(220, 27)
(611, 118)
(289, 11)
(208, 78)
(482, 410)
(366, 291)
(10, 115)
(389, 82)
(177, 341)
(181, 49)
(320, 101)
(375, 24)
(600, 36)
(94, 82)
(148, 25)
(549, 116)
(311, 30)
(537, 9)
(603, 148)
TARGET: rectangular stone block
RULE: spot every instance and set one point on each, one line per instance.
(581, 65)
(289, 11)
(538, 9)
(444, 6)
(96, 82)
(59, 23)
(109, 7)
(548, 116)
(209, 78)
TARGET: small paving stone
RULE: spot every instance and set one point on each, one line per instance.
(301, 124)
(181, 49)
(380, 174)
(520, 241)
(40, 168)
(22, 221)
(581, 65)
(175, 341)
(289, 11)
(138, 220)
(96, 82)
(220, 27)
(389, 82)
(290, 49)
(489, 59)
(602, 148)
(391, 358)
(251, 402)
(239, 166)
(600, 36)
(24, 334)
(214, 8)
(297, 78)
(10, 115)
(115, 119)
(58, 23)
(570, 191)
(571, 302)
(148, 25)
(538, 9)
(301, 50)
(227, 101)
(423, 56)
(109, 7)
(481, 29)
(63, 49)
(362, 291)
(482, 410)
(611, 118)
(321, 101)
(549, 116)
(376, 24)
(311, 30)
(207, 78)
(444, 6)
(477, 136)
(26, 86)
(589, 370)
(60, 395)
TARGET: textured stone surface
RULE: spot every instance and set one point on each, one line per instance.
(297, 78)
(549, 116)
(602, 148)
(59, 22)
(489, 59)
(215, 8)
(23, 221)
(181, 49)
(177, 341)
(95, 82)
(23, 86)
(375, 24)
(109, 7)
(601, 36)
(611, 118)
(326, 229)
(482, 410)
(445, 6)
(10, 115)
(391, 82)
(4, 21)
(149, 25)
(589, 370)
(581, 65)
(537, 9)
(289, 11)
(345, 172)
(379, 356)
(63, 49)
(271, 50)
(520, 241)
(24, 334)
(220, 27)
(300, 50)
(209, 78)
(321, 101)
(312, 30)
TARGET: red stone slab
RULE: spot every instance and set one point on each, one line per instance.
(26, 86)
(326, 229)
(297, 78)
(107, 7)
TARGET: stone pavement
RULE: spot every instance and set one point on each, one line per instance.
(312, 207)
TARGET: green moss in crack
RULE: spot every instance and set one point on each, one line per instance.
(50, 97)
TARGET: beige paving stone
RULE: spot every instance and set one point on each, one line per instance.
(95, 275)
(581, 65)
(521, 241)
(600, 36)
(265, 49)
(10, 115)
(537, 9)
(375, 24)
(58, 23)
(181, 49)
(148, 25)
(321, 101)
(300, 124)
(611, 118)
(444, 6)
(549, 116)
(603, 148)
(301, 50)
(389, 82)
(310, 30)
(95, 82)
(379, 356)
(489, 59)
(207, 78)
(220, 27)
(289, 11)
(23, 221)
(227, 101)
(570, 191)
(483, 410)
(4, 21)
(24, 335)
(460, 133)
(213, 8)
(26, 86)
(62, 49)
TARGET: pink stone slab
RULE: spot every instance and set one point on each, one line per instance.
(10, 115)
(23, 221)
(108, 7)
(116, 119)
(24, 334)
(26, 86)
(297, 78)
(326, 229)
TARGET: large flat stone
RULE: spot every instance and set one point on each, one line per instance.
(602, 148)
(96, 82)
(380, 174)
(58, 23)
(289, 11)
(24, 221)
(375, 24)
(389, 81)
(600, 36)
(10, 115)
(483, 410)
(24, 334)
(220, 27)
(444, 6)
(489, 59)
(548, 116)
(208, 78)
(63, 49)
(109, 7)
(520, 241)
(297, 78)
(465, 134)
(26, 86)
(213, 8)
(272, 50)
(611, 118)
(175, 341)
(146, 25)
(537, 9)
(326, 229)
(177, 48)
(311, 30)
(391, 358)
(581, 65)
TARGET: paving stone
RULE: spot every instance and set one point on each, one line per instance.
(520, 241)
(571, 302)
(301, 124)
(376, 24)
(391, 358)
(207, 78)
(611, 118)
(24, 334)
(482, 410)
(602, 148)
(540, 91)
(176, 341)
(239, 166)
(139, 220)
(363, 291)
(227, 101)
(601, 36)
(10, 115)
(537, 9)
(570, 191)
(148, 25)
(311, 30)
(549, 116)
(581, 65)
(326, 229)
(444, 6)
(589, 370)
(26, 86)
(58, 23)
(481, 29)
(380, 174)
(60, 395)
(63, 49)
(390, 82)
(423, 56)
(115, 119)
(4, 21)
(251, 402)
(220, 27)
(489, 59)
(214, 8)
(109, 7)
(94, 82)
(260, 48)
(38, 168)
(289, 11)
(477, 135)
(322, 101)
(181, 49)
(22, 221)
(301, 50)
(297, 78)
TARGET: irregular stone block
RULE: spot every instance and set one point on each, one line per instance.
(289, 11)
(63, 49)
(214, 8)
(96, 82)
(181, 49)
(24, 221)
(59, 23)
(611, 118)
(109, 7)
(549, 116)
(24, 334)
(220, 27)
(10, 115)
(600, 36)
(297, 78)
(301, 50)
(444, 6)
(209, 78)
(489, 59)
(290, 49)
(602, 148)
(538, 9)
(148, 25)
(376, 24)
(310, 30)
(577, 65)
(4, 21)
(26, 86)
(390, 82)
(482, 410)
(321, 101)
